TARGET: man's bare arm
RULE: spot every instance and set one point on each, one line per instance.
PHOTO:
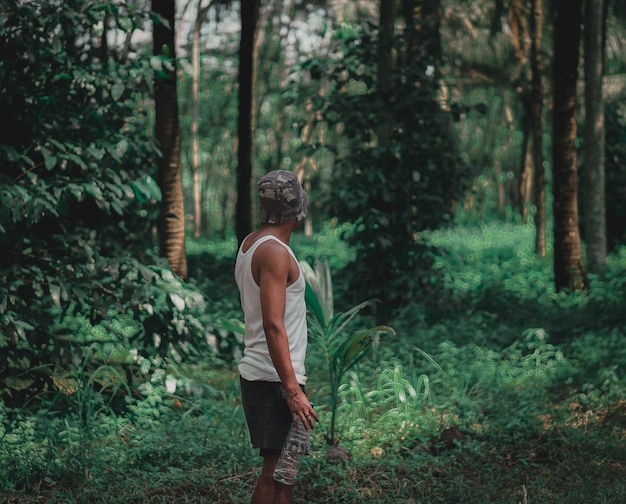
(273, 264)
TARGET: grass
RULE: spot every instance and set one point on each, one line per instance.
(513, 395)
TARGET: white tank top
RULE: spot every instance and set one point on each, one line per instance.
(256, 363)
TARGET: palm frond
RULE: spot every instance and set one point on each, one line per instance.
(319, 294)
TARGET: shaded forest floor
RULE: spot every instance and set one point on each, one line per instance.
(510, 393)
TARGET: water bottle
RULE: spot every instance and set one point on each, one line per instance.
(296, 445)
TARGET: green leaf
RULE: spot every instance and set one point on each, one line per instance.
(156, 63)
(340, 321)
(107, 348)
(313, 303)
(55, 293)
(177, 301)
(179, 325)
(50, 162)
(58, 145)
(77, 191)
(93, 190)
(112, 150)
(319, 289)
(124, 23)
(117, 90)
(117, 208)
(115, 189)
(121, 148)
(154, 191)
(49, 159)
(144, 368)
(167, 275)
(76, 159)
(355, 348)
(233, 325)
(139, 194)
(157, 18)
(95, 152)
(12, 154)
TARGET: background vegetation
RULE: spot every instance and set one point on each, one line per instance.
(118, 375)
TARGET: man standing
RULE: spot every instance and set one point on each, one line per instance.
(271, 288)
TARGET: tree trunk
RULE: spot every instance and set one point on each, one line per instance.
(537, 128)
(593, 191)
(385, 63)
(526, 177)
(519, 29)
(195, 113)
(569, 270)
(249, 16)
(171, 223)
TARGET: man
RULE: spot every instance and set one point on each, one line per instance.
(271, 288)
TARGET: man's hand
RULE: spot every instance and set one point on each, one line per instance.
(300, 406)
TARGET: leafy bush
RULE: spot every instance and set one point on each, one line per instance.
(23, 455)
(78, 200)
(390, 191)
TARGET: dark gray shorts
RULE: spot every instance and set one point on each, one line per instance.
(267, 414)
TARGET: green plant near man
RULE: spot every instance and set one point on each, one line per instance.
(341, 345)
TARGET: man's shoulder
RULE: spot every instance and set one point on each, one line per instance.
(272, 247)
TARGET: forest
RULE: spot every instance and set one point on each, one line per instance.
(464, 251)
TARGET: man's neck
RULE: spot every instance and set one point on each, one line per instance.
(280, 231)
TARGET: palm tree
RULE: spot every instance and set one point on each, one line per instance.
(171, 224)
(593, 176)
(247, 64)
(569, 270)
(385, 64)
(537, 126)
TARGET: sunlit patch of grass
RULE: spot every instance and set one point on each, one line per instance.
(493, 255)
(220, 249)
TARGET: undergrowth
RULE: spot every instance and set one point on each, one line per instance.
(510, 393)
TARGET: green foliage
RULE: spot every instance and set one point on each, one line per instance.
(490, 255)
(534, 416)
(327, 245)
(388, 413)
(210, 266)
(77, 388)
(391, 190)
(23, 455)
(342, 347)
(78, 199)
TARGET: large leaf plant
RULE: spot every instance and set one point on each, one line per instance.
(342, 346)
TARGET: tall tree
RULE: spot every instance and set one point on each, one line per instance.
(406, 182)
(195, 118)
(593, 174)
(167, 132)
(385, 65)
(536, 106)
(569, 269)
(245, 125)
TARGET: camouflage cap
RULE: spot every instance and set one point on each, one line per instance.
(281, 198)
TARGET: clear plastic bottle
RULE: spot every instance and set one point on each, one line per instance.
(296, 445)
